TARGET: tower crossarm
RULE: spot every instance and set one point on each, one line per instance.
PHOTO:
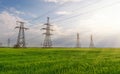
(47, 41)
(47, 34)
(48, 24)
(21, 35)
(47, 29)
(21, 27)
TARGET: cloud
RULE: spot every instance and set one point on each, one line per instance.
(63, 13)
(62, 1)
(15, 11)
(103, 24)
(61, 37)
(7, 23)
(19, 13)
(31, 15)
(7, 26)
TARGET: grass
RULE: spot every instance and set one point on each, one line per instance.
(60, 61)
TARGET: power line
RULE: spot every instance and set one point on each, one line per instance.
(74, 10)
(84, 13)
(74, 16)
(100, 8)
(56, 8)
(62, 6)
(48, 12)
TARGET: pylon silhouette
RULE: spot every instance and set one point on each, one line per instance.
(21, 35)
(91, 42)
(78, 41)
(47, 41)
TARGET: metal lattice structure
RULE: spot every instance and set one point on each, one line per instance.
(91, 42)
(47, 41)
(8, 42)
(21, 35)
(78, 41)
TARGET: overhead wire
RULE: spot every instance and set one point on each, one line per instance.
(76, 9)
(54, 9)
(87, 12)
(84, 13)
(74, 16)
(72, 10)
(48, 12)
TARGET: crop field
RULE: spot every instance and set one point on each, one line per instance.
(60, 61)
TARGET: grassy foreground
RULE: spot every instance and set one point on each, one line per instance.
(59, 61)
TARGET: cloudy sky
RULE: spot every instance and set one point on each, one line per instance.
(101, 18)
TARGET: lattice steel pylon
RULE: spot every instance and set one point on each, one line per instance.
(91, 42)
(78, 41)
(47, 41)
(8, 42)
(21, 35)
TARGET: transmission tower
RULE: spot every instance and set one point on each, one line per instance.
(91, 42)
(8, 42)
(47, 41)
(1, 44)
(78, 41)
(21, 35)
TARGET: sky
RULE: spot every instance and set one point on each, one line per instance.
(100, 18)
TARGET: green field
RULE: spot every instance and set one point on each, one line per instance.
(60, 61)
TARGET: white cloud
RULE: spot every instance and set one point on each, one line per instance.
(63, 13)
(103, 24)
(7, 26)
(15, 11)
(7, 20)
(32, 15)
(62, 1)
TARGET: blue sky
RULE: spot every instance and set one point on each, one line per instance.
(35, 7)
(97, 17)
